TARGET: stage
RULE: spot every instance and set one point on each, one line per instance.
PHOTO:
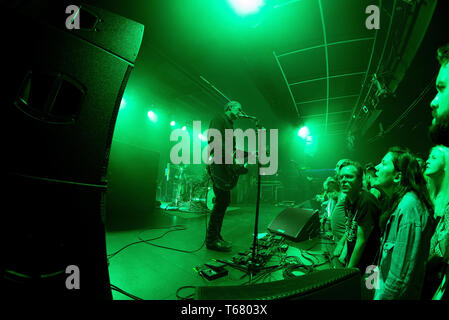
(155, 273)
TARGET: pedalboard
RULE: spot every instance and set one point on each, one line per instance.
(212, 270)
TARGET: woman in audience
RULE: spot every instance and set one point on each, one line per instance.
(437, 175)
(408, 226)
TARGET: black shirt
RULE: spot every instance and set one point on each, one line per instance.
(364, 211)
(220, 122)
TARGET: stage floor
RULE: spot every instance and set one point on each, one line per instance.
(156, 273)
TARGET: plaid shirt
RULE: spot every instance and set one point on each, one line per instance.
(404, 251)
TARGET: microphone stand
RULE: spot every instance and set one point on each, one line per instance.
(254, 263)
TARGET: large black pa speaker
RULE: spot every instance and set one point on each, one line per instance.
(329, 284)
(297, 224)
(63, 89)
(47, 226)
(61, 97)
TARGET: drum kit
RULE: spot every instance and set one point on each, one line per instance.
(189, 186)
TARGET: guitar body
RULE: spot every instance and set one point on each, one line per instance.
(226, 176)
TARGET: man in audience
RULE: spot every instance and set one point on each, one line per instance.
(359, 244)
(338, 218)
(368, 176)
(439, 130)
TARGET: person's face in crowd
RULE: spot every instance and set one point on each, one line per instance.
(435, 163)
(386, 175)
(349, 182)
(439, 130)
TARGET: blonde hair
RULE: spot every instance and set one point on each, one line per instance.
(440, 197)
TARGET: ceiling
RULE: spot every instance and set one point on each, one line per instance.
(300, 62)
(294, 63)
(294, 60)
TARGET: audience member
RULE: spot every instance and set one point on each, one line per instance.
(358, 246)
(368, 175)
(437, 176)
(338, 218)
(422, 163)
(439, 129)
(405, 243)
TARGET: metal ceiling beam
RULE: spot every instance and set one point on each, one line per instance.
(325, 45)
(286, 82)
(333, 123)
(327, 62)
(323, 114)
(328, 77)
(334, 98)
(322, 45)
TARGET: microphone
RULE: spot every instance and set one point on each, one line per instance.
(244, 115)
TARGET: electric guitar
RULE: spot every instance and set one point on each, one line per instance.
(226, 176)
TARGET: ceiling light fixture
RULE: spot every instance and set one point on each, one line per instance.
(245, 7)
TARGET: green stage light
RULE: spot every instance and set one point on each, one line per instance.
(184, 128)
(152, 116)
(172, 123)
(303, 132)
(245, 7)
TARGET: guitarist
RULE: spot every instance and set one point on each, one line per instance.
(214, 240)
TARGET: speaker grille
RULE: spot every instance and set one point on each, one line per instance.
(330, 284)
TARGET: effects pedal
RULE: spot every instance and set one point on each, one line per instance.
(213, 264)
(211, 273)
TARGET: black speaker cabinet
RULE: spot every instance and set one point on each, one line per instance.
(61, 93)
(330, 284)
(46, 227)
(63, 90)
(298, 224)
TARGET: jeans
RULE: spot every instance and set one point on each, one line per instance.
(222, 201)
